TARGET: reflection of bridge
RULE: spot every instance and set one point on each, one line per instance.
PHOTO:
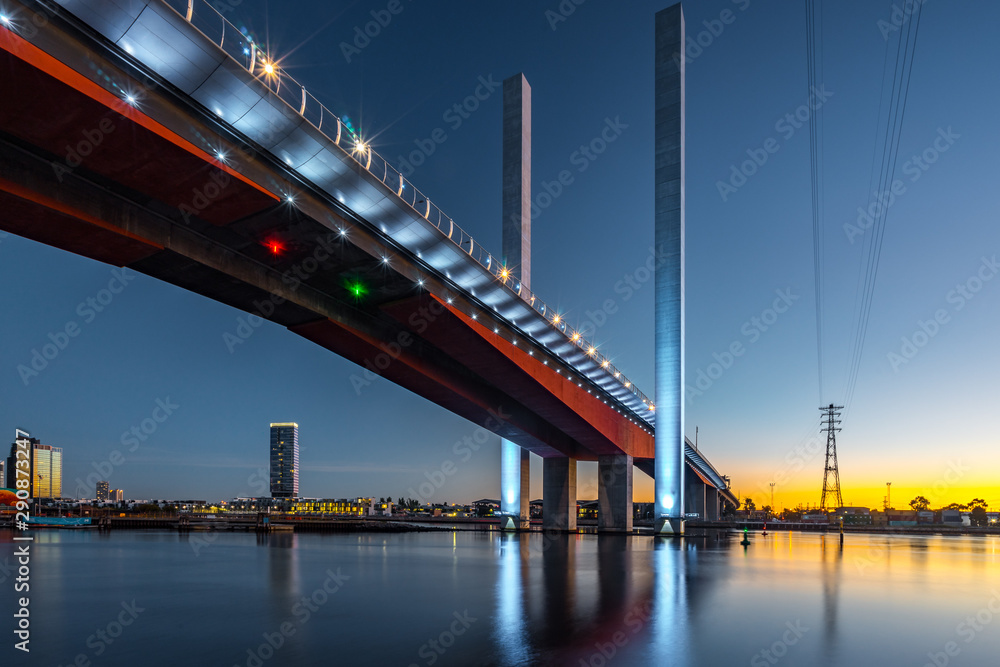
(167, 141)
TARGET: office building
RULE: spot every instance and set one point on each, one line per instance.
(45, 472)
(284, 460)
(102, 492)
(10, 469)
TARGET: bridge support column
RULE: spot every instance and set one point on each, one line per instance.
(694, 494)
(515, 478)
(559, 494)
(669, 282)
(712, 506)
(614, 493)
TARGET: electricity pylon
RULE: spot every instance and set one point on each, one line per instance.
(831, 473)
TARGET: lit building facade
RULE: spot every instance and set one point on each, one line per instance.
(340, 506)
(284, 460)
(102, 492)
(47, 472)
(311, 506)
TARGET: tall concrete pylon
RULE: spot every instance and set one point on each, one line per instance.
(515, 476)
(669, 283)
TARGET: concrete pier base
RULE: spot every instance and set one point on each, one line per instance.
(669, 527)
(559, 494)
(614, 493)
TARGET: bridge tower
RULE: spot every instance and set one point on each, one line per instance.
(831, 473)
(669, 296)
(515, 473)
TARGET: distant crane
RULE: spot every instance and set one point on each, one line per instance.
(831, 473)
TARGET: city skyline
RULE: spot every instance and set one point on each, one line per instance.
(754, 409)
(904, 493)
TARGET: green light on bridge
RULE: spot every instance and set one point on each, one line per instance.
(357, 288)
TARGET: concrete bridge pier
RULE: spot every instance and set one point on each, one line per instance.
(712, 505)
(696, 494)
(559, 494)
(614, 493)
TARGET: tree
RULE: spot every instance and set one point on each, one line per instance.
(977, 502)
(766, 509)
(955, 506)
(748, 504)
(978, 517)
(920, 504)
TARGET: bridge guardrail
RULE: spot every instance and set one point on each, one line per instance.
(241, 46)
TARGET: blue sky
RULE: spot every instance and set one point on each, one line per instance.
(908, 423)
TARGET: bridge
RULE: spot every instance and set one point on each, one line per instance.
(159, 137)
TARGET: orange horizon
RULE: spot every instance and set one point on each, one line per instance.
(871, 497)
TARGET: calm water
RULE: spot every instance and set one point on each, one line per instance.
(487, 599)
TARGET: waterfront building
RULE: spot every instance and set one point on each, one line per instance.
(45, 472)
(284, 460)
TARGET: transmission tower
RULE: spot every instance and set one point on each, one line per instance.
(831, 474)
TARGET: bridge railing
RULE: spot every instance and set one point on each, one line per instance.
(239, 44)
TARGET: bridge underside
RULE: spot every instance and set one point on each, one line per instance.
(141, 187)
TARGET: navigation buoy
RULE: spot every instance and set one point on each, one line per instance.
(746, 537)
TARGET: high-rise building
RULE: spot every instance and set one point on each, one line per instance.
(116, 495)
(10, 469)
(102, 492)
(284, 460)
(3, 473)
(47, 472)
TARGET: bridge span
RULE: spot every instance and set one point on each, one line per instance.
(158, 137)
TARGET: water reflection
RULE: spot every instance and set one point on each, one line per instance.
(282, 560)
(511, 628)
(573, 600)
(832, 557)
(559, 593)
(670, 617)
(565, 599)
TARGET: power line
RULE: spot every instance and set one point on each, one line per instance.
(814, 74)
(899, 93)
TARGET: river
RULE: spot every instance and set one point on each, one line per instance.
(482, 598)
